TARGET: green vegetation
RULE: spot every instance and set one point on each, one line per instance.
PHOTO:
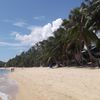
(66, 47)
(2, 64)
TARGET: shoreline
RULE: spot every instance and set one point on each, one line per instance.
(3, 96)
(8, 87)
(57, 84)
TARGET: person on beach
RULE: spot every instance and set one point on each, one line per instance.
(12, 69)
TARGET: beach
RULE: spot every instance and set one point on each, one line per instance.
(57, 84)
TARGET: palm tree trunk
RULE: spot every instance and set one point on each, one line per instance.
(92, 58)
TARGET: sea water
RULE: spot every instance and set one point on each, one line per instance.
(8, 88)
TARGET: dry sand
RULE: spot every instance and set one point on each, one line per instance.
(57, 84)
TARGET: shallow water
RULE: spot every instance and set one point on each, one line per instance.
(8, 88)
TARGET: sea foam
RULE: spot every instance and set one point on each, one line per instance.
(4, 96)
(8, 87)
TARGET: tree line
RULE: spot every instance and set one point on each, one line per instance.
(74, 43)
(2, 63)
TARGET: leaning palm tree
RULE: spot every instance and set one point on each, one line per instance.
(93, 8)
(79, 31)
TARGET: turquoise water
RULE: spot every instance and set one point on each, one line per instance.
(4, 71)
(8, 87)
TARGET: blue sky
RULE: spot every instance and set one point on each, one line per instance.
(22, 23)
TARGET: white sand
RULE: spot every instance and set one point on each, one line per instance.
(57, 84)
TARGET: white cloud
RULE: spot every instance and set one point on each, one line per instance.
(38, 33)
(56, 24)
(16, 22)
(20, 24)
(10, 44)
(39, 17)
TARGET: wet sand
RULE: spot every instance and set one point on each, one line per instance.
(57, 84)
(8, 88)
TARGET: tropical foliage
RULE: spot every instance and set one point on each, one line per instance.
(74, 43)
(2, 64)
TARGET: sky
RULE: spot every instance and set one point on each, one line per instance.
(26, 22)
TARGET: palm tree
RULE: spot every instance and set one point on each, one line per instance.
(79, 32)
(93, 8)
